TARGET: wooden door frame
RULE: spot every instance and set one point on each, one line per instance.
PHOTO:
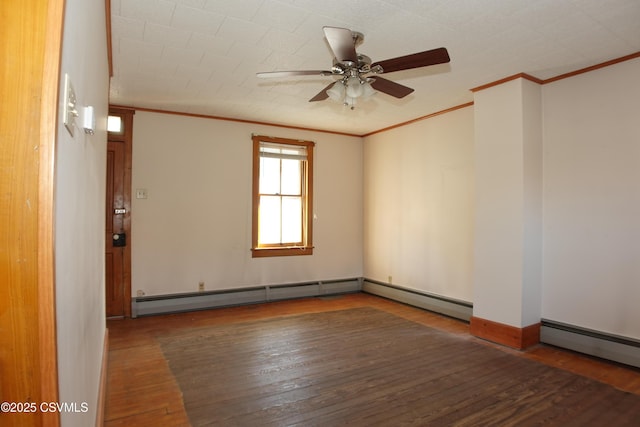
(32, 38)
(127, 139)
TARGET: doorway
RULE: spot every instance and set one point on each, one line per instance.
(118, 216)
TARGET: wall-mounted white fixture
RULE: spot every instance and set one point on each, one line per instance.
(69, 111)
(89, 120)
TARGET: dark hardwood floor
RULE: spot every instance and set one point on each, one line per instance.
(141, 389)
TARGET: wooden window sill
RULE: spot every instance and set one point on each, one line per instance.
(284, 251)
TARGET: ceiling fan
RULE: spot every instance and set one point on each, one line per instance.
(358, 76)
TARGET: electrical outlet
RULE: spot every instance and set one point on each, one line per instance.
(140, 293)
(201, 286)
(390, 280)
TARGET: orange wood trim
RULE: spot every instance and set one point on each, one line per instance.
(204, 116)
(31, 34)
(255, 190)
(102, 390)
(428, 116)
(273, 252)
(511, 336)
(508, 79)
(307, 249)
(230, 119)
(559, 77)
(308, 221)
(46, 206)
(122, 108)
(531, 335)
(593, 67)
(107, 6)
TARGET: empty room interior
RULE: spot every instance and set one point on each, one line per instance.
(293, 212)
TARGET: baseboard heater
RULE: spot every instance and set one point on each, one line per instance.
(607, 346)
(449, 307)
(176, 303)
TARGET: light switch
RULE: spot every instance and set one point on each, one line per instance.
(70, 110)
(141, 193)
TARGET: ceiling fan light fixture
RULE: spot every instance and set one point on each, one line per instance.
(354, 87)
(336, 92)
(367, 90)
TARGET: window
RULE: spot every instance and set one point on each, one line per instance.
(282, 196)
(114, 124)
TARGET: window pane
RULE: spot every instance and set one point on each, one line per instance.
(114, 124)
(269, 224)
(269, 176)
(291, 182)
(291, 219)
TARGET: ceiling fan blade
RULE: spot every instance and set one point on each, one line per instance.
(269, 74)
(390, 88)
(322, 95)
(416, 60)
(342, 44)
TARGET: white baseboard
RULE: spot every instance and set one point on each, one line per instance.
(450, 307)
(175, 303)
(594, 343)
(606, 346)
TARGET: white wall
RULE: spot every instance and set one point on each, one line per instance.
(195, 224)
(508, 179)
(592, 200)
(79, 215)
(532, 204)
(419, 205)
(499, 200)
(401, 205)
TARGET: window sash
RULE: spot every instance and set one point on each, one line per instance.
(281, 176)
(277, 214)
(295, 160)
(281, 221)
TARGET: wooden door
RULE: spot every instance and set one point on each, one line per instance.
(115, 232)
(30, 46)
(118, 217)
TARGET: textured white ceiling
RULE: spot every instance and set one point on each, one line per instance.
(201, 56)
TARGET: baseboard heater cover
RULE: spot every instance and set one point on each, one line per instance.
(448, 306)
(193, 301)
(606, 346)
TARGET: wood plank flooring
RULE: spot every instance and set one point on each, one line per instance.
(142, 391)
